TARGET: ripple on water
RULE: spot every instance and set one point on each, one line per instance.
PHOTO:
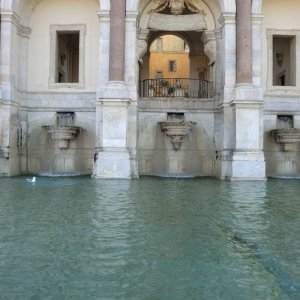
(80, 238)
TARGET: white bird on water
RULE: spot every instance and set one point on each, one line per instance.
(31, 180)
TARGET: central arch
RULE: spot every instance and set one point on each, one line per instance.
(198, 33)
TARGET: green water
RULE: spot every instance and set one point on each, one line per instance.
(80, 238)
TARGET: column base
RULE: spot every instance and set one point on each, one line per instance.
(112, 164)
(244, 165)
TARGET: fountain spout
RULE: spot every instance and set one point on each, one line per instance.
(286, 137)
(64, 130)
(176, 130)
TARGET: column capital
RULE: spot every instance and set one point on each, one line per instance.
(10, 16)
(257, 18)
(103, 15)
(227, 18)
(131, 14)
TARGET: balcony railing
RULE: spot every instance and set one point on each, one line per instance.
(176, 87)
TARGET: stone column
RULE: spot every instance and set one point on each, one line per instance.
(247, 158)
(243, 41)
(112, 158)
(117, 40)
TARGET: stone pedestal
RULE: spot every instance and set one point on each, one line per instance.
(242, 157)
(112, 158)
(112, 163)
(247, 159)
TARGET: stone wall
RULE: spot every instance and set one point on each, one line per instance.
(156, 154)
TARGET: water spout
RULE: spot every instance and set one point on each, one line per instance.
(176, 130)
(286, 137)
(64, 130)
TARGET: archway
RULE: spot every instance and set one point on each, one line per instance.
(192, 27)
(173, 68)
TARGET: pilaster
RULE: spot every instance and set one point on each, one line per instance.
(9, 26)
(228, 54)
(257, 20)
(242, 156)
(112, 158)
(12, 32)
(115, 151)
(104, 24)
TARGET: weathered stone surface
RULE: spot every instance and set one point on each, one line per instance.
(194, 22)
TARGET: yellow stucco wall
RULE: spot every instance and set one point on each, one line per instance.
(159, 62)
(169, 48)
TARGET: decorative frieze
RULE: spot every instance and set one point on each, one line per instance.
(193, 22)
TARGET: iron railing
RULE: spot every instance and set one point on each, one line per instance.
(176, 87)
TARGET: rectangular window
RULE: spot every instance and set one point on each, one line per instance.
(172, 65)
(284, 60)
(67, 52)
(67, 69)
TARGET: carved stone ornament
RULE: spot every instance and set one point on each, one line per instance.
(176, 130)
(286, 137)
(142, 49)
(210, 51)
(176, 6)
(193, 22)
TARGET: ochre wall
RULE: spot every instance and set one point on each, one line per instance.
(169, 48)
(159, 61)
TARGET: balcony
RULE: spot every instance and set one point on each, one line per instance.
(175, 87)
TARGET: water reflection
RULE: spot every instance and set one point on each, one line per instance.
(79, 238)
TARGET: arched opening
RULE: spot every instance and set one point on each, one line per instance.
(177, 51)
(173, 68)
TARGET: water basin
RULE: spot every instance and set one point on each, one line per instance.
(152, 238)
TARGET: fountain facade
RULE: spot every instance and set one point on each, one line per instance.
(180, 146)
(59, 144)
(240, 74)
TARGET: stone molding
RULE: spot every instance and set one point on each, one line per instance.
(142, 44)
(227, 18)
(12, 17)
(24, 32)
(246, 92)
(131, 15)
(210, 46)
(104, 15)
(195, 22)
(113, 90)
(114, 102)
